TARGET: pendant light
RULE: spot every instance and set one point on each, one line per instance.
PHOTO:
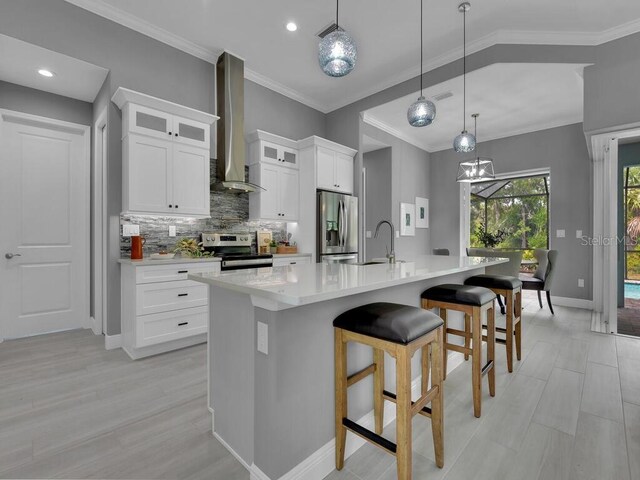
(465, 142)
(421, 112)
(480, 168)
(337, 52)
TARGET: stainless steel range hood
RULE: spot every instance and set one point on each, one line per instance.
(230, 139)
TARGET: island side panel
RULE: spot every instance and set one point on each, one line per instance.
(231, 367)
(294, 383)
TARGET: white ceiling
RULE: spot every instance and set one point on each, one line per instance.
(387, 34)
(20, 62)
(511, 99)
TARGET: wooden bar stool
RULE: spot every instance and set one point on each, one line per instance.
(400, 331)
(473, 302)
(511, 289)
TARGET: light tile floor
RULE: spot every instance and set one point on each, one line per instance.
(570, 410)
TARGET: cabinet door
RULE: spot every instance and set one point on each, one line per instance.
(147, 121)
(325, 168)
(147, 161)
(191, 132)
(268, 198)
(344, 173)
(288, 193)
(190, 180)
(289, 157)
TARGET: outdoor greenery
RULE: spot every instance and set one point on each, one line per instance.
(632, 221)
(515, 213)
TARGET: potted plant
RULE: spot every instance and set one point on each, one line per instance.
(273, 246)
(190, 247)
(488, 239)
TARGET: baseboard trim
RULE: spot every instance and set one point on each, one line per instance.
(95, 326)
(572, 302)
(322, 462)
(232, 452)
(111, 342)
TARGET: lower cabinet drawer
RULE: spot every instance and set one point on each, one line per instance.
(171, 272)
(163, 327)
(167, 296)
(279, 262)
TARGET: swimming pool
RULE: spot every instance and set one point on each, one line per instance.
(632, 290)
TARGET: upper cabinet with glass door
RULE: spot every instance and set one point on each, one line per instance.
(269, 148)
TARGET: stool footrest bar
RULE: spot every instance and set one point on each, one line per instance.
(367, 434)
(426, 411)
(362, 374)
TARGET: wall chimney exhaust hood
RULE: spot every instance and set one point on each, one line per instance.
(230, 139)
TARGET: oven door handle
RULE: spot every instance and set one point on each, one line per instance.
(242, 263)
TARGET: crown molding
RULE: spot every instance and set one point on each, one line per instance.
(141, 26)
(385, 127)
(99, 7)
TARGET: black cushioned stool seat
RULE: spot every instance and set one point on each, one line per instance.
(503, 282)
(389, 321)
(474, 302)
(460, 294)
(511, 289)
(400, 331)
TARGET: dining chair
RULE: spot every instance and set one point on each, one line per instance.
(542, 279)
(441, 251)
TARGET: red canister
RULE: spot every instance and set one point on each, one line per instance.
(136, 247)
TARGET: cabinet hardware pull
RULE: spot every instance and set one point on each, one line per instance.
(170, 206)
(183, 323)
(293, 263)
(176, 134)
(183, 271)
(183, 294)
(176, 206)
(169, 133)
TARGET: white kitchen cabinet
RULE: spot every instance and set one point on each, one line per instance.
(161, 309)
(281, 261)
(334, 170)
(166, 156)
(279, 199)
(273, 164)
(164, 177)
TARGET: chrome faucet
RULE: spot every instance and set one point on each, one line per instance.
(392, 255)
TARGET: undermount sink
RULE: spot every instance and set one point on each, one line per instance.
(370, 263)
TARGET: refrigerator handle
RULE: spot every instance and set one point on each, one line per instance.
(340, 220)
(345, 220)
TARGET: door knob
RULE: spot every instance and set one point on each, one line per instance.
(9, 256)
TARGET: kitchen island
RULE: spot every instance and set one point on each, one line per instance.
(271, 385)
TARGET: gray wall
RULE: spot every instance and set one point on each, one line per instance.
(140, 63)
(45, 104)
(378, 204)
(409, 179)
(564, 152)
(628, 155)
(610, 85)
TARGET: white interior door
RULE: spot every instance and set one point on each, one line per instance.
(44, 213)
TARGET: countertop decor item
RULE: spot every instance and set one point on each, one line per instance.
(162, 256)
(280, 249)
(190, 247)
(465, 142)
(480, 168)
(337, 52)
(422, 112)
(137, 242)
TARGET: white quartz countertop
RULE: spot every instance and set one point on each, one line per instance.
(148, 261)
(286, 255)
(296, 285)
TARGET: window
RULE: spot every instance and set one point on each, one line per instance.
(632, 223)
(511, 213)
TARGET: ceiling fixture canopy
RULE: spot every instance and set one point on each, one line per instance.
(465, 142)
(480, 168)
(421, 112)
(337, 52)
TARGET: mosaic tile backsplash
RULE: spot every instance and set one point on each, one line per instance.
(229, 213)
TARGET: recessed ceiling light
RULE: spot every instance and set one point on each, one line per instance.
(46, 73)
(292, 27)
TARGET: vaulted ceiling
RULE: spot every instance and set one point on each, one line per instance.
(386, 32)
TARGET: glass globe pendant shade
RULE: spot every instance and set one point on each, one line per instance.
(464, 143)
(421, 113)
(337, 54)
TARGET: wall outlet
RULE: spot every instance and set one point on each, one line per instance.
(130, 230)
(263, 338)
(581, 282)
(369, 234)
(172, 230)
(578, 233)
(560, 233)
(397, 233)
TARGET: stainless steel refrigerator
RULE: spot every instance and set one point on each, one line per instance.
(337, 228)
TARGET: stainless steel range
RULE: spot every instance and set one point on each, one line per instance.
(235, 251)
